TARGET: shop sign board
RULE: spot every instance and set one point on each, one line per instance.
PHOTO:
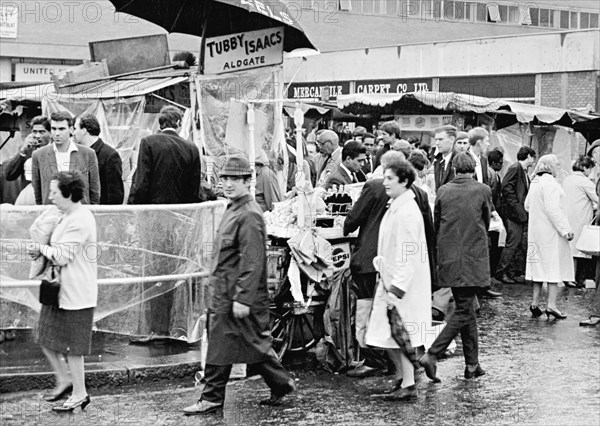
(394, 86)
(9, 17)
(39, 72)
(326, 90)
(493, 87)
(243, 51)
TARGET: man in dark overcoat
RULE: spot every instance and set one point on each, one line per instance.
(461, 218)
(238, 319)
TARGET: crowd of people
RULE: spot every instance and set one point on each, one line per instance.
(424, 243)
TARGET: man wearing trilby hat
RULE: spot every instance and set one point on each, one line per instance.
(238, 318)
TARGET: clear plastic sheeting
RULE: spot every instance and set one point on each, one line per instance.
(223, 106)
(154, 264)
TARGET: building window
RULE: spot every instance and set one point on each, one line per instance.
(481, 12)
(593, 20)
(449, 9)
(574, 20)
(391, 8)
(564, 19)
(503, 10)
(546, 18)
(345, 5)
(525, 16)
(584, 20)
(514, 15)
(437, 8)
(493, 12)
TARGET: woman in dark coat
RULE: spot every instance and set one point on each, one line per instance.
(461, 219)
(238, 320)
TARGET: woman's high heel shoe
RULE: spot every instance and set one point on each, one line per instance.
(70, 406)
(555, 314)
(536, 312)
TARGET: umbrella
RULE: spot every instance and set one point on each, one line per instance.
(212, 18)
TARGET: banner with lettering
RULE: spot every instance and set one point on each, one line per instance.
(242, 51)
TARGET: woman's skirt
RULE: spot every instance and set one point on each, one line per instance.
(66, 331)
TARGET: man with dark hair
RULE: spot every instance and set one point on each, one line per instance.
(369, 144)
(168, 167)
(445, 137)
(514, 191)
(389, 132)
(238, 317)
(110, 166)
(19, 166)
(353, 157)
(61, 156)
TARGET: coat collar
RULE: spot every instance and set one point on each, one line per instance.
(238, 202)
(463, 179)
(401, 200)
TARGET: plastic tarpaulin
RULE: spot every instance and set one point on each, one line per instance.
(223, 107)
(153, 267)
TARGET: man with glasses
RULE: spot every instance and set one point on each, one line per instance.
(330, 155)
(238, 317)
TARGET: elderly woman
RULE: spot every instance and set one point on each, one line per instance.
(548, 251)
(461, 218)
(66, 329)
(581, 196)
(404, 290)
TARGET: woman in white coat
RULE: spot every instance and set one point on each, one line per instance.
(404, 281)
(549, 250)
(581, 197)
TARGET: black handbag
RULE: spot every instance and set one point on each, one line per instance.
(50, 286)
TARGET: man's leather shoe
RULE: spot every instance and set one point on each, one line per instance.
(437, 315)
(477, 372)
(428, 363)
(506, 279)
(520, 279)
(275, 398)
(488, 293)
(202, 407)
(363, 371)
(409, 392)
(590, 322)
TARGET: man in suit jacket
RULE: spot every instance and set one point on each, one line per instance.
(64, 155)
(328, 158)
(87, 133)
(168, 168)
(353, 155)
(445, 137)
(479, 142)
(514, 191)
(369, 144)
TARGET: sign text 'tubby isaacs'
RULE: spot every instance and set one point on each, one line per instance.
(242, 51)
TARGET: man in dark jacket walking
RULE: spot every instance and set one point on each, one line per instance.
(461, 218)
(238, 318)
(87, 133)
(514, 191)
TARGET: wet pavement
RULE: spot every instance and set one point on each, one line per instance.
(539, 372)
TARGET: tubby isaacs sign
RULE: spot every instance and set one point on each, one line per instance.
(242, 51)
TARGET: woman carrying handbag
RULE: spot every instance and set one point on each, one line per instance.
(65, 327)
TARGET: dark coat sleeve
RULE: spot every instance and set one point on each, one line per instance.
(94, 183)
(423, 202)
(140, 187)
(114, 179)
(487, 207)
(251, 239)
(359, 215)
(36, 179)
(15, 167)
(514, 209)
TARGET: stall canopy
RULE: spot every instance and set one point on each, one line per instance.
(449, 101)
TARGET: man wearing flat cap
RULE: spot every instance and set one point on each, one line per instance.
(238, 317)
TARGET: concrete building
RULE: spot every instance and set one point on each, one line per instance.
(541, 57)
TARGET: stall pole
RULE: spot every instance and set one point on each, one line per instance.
(250, 117)
(298, 122)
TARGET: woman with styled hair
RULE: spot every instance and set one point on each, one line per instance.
(549, 249)
(65, 330)
(581, 198)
